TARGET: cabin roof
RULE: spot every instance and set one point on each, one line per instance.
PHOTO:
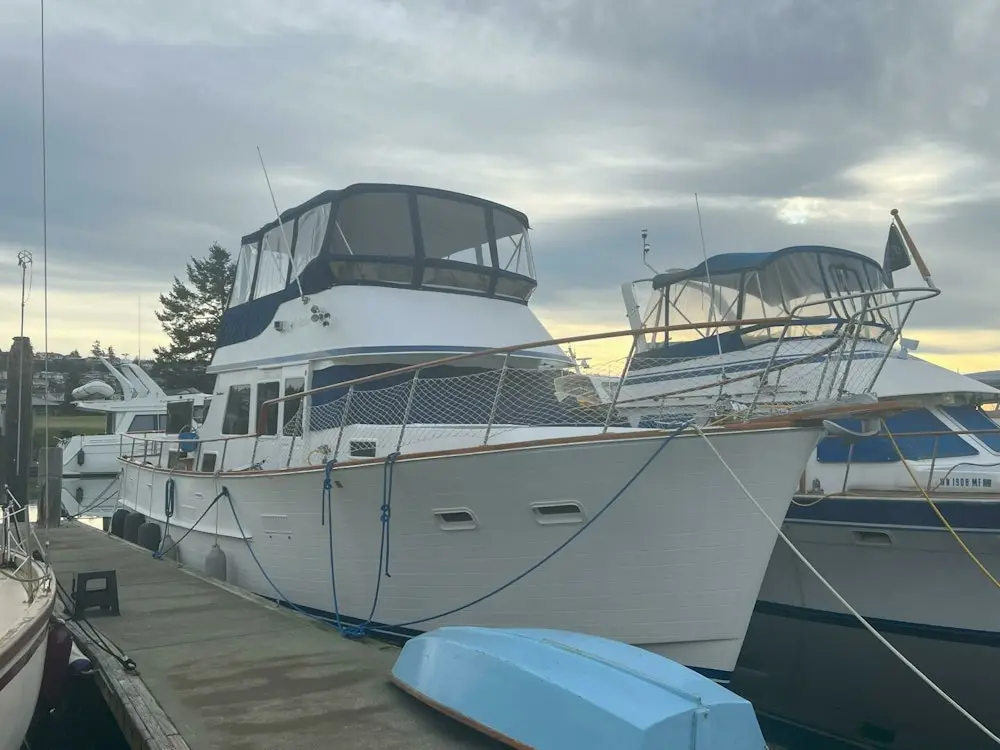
(362, 188)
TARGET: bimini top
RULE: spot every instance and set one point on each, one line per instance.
(396, 235)
(783, 275)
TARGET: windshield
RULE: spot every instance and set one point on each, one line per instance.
(803, 283)
(391, 236)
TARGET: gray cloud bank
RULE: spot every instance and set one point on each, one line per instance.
(796, 122)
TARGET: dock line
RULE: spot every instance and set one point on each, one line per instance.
(105, 644)
(847, 605)
(934, 507)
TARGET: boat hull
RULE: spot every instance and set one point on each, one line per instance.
(674, 565)
(22, 659)
(551, 689)
(809, 660)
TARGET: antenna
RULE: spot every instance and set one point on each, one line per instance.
(281, 227)
(708, 277)
(138, 353)
(645, 251)
(45, 227)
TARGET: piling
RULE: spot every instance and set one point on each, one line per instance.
(50, 463)
(17, 423)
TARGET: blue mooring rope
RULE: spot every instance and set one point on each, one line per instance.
(385, 512)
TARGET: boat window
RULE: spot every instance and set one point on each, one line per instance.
(455, 233)
(236, 420)
(291, 423)
(144, 423)
(363, 448)
(246, 264)
(109, 423)
(309, 238)
(914, 447)
(199, 412)
(513, 244)
(375, 231)
(266, 392)
(272, 270)
(974, 418)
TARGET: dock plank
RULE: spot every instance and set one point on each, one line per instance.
(220, 668)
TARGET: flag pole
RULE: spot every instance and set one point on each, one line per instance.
(921, 266)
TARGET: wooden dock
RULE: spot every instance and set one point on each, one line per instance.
(219, 668)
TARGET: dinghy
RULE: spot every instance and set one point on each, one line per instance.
(559, 690)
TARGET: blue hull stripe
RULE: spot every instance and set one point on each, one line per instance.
(398, 636)
(913, 513)
(442, 351)
(886, 627)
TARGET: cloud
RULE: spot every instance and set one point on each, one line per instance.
(796, 122)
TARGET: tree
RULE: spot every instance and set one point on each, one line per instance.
(96, 350)
(191, 316)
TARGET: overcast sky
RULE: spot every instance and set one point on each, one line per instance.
(796, 121)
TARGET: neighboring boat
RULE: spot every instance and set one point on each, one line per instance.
(845, 321)
(27, 598)
(862, 521)
(858, 515)
(558, 690)
(90, 462)
(405, 499)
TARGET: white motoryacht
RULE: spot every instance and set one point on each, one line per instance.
(383, 449)
(90, 462)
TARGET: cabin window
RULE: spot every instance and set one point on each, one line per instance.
(267, 392)
(208, 461)
(272, 270)
(109, 423)
(973, 418)
(456, 245)
(199, 412)
(246, 264)
(904, 427)
(375, 224)
(309, 240)
(292, 408)
(236, 420)
(363, 448)
(147, 423)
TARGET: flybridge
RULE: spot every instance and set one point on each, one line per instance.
(385, 234)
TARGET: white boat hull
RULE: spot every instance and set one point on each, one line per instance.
(23, 643)
(807, 658)
(674, 565)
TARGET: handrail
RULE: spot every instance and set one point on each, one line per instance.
(519, 347)
(927, 292)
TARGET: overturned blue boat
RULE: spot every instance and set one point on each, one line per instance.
(558, 690)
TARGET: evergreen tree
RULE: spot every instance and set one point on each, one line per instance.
(191, 315)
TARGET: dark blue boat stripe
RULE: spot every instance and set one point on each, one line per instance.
(886, 627)
(898, 513)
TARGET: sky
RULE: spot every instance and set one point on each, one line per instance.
(795, 121)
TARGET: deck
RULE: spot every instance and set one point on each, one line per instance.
(219, 668)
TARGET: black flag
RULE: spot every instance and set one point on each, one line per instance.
(896, 256)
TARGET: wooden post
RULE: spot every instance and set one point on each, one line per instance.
(18, 422)
(50, 464)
